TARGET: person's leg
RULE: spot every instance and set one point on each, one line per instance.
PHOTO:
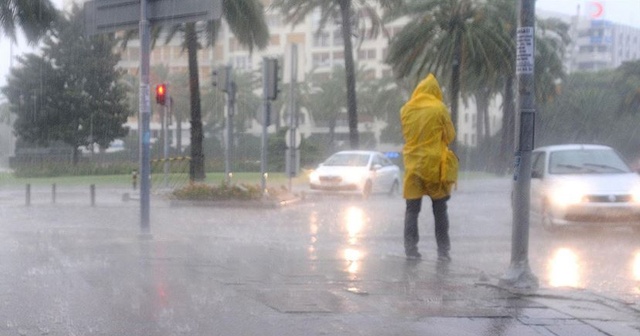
(411, 235)
(441, 219)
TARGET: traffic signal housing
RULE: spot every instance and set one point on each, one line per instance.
(161, 94)
(271, 88)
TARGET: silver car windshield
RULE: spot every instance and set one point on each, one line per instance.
(586, 161)
(353, 160)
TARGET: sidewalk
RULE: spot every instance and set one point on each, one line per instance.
(72, 269)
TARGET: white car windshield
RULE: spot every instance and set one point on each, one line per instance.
(586, 161)
(344, 159)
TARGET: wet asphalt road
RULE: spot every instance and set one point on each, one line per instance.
(74, 267)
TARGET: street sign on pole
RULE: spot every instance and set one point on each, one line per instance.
(104, 16)
(519, 275)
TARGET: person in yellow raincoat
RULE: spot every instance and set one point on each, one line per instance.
(431, 168)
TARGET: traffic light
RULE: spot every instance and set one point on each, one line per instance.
(161, 94)
(271, 88)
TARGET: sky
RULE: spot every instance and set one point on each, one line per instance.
(619, 11)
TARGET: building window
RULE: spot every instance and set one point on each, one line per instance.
(242, 62)
(337, 38)
(274, 40)
(320, 60)
(367, 54)
(321, 39)
(234, 45)
(274, 20)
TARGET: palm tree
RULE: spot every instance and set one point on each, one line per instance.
(237, 13)
(447, 37)
(33, 17)
(347, 11)
(326, 101)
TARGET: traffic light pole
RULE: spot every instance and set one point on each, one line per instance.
(519, 275)
(165, 135)
(269, 93)
(144, 120)
(230, 89)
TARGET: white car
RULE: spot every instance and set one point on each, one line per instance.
(583, 185)
(364, 172)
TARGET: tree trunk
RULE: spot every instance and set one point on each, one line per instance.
(332, 135)
(482, 122)
(352, 108)
(196, 167)
(455, 84)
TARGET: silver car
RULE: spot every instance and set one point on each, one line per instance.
(363, 172)
(583, 185)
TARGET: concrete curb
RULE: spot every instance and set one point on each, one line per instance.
(262, 204)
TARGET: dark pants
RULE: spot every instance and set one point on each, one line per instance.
(411, 236)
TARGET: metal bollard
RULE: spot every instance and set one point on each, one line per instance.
(134, 179)
(53, 193)
(28, 195)
(93, 195)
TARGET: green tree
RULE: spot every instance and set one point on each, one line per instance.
(350, 13)
(588, 110)
(83, 101)
(627, 79)
(326, 100)
(382, 99)
(237, 14)
(446, 37)
(33, 17)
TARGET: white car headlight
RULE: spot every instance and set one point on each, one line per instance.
(635, 194)
(567, 194)
(313, 176)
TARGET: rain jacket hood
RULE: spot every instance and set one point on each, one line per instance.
(430, 167)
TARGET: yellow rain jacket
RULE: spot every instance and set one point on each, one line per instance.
(431, 168)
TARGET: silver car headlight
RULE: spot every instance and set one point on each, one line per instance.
(566, 194)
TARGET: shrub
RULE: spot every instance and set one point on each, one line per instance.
(225, 191)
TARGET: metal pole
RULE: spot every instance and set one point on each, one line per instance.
(28, 195)
(165, 135)
(265, 120)
(519, 275)
(53, 193)
(291, 151)
(230, 89)
(144, 119)
(92, 189)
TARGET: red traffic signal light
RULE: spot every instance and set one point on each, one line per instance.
(161, 94)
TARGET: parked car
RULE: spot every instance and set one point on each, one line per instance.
(363, 172)
(584, 186)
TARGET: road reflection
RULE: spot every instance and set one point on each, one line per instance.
(354, 224)
(353, 257)
(636, 268)
(313, 232)
(564, 269)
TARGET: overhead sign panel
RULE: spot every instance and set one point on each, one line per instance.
(103, 16)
